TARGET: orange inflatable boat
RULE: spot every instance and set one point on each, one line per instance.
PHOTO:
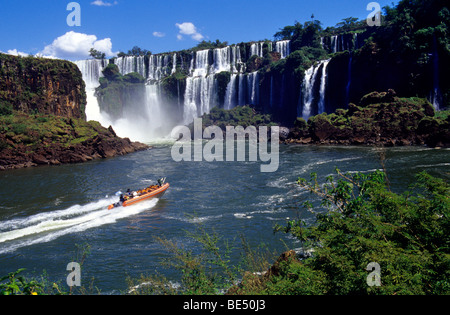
(155, 191)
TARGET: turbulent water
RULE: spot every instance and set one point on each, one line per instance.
(47, 211)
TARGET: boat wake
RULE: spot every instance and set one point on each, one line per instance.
(45, 227)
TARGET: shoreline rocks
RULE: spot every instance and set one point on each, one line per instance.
(381, 119)
(76, 142)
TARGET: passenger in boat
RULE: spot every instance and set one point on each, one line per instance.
(122, 199)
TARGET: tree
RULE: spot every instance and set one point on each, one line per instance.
(348, 23)
(360, 220)
(97, 54)
(137, 51)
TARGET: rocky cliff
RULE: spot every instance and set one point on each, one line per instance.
(38, 85)
(42, 118)
(378, 119)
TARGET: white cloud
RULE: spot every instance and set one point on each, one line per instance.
(101, 3)
(74, 46)
(14, 52)
(159, 34)
(187, 28)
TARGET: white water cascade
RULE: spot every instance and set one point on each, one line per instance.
(230, 95)
(196, 97)
(92, 72)
(257, 49)
(323, 84)
(283, 47)
(308, 88)
(142, 126)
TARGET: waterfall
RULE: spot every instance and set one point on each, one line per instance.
(308, 84)
(200, 88)
(308, 89)
(334, 43)
(125, 64)
(155, 117)
(253, 87)
(241, 92)
(227, 59)
(230, 95)
(174, 64)
(256, 49)
(91, 71)
(195, 97)
(323, 84)
(222, 59)
(157, 67)
(283, 47)
(146, 122)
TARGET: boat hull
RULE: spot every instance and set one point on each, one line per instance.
(157, 193)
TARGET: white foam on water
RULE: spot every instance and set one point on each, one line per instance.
(45, 227)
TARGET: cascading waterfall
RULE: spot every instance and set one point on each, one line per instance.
(158, 67)
(334, 43)
(283, 47)
(227, 59)
(200, 88)
(92, 72)
(257, 49)
(174, 64)
(230, 95)
(241, 92)
(141, 127)
(308, 84)
(323, 84)
(125, 64)
(309, 92)
(253, 87)
(198, 95)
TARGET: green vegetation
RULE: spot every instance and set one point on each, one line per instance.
(359, 221)
(117, 92)
(35, 131)
(96, 54)
(207, 273)
(135, 51)
(30, 84)
(14, 283)
(239, 116)
(379, 118)
(210, 44)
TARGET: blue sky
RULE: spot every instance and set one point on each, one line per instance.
(40, 27)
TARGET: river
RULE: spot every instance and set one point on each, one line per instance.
(48, 213)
